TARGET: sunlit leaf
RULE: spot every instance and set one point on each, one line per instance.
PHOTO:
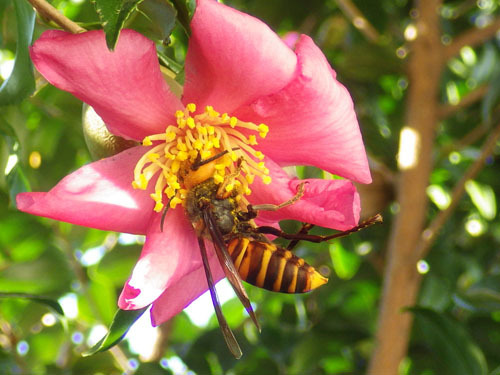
(483, 198)
(122, 322)
(345, 263)
(440, 197)
(21, 81)
(448, 341)
(104, 298)
(113, 14)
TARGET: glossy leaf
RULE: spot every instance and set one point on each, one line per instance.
(122, 322)
(53, 304)
(113, 14)
(21, 81)
(162, 15)
(483, 198)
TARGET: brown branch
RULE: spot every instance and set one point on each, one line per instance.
(49, 12)
(475, 134)
(359, 20)
(401, 279)
(429, 234)
(471, 38)
(472, 97)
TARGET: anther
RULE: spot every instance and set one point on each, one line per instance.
(233, 121)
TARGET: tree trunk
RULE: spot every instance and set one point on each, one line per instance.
(401, 279)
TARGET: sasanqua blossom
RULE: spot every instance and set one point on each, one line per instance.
(245, 92)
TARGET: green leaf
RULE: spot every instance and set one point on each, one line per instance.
(449, 343)
(439, 196)
(122, 322)
(345, 263)
(21, 82)
(483, 198)
(161, 14)
(173, 65)
(491, 98)
(15, 178)
(53, 304)
(17, 183)
(185, 11)
(113, 14)
(481, 296)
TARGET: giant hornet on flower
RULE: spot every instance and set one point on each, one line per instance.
(206, 162)
(243, 250)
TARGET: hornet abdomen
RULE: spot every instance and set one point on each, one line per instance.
(273, 268)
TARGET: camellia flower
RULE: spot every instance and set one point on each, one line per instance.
(246, 92)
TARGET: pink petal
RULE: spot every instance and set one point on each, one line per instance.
(328, 203)
(125, 87)
(98, 195)
(233, 58)
(178, 296)
(167, 256)
(312, 120)
(291, 38)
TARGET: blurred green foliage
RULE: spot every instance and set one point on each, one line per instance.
(329, 331)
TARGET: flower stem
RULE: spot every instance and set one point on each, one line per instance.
(51, 13)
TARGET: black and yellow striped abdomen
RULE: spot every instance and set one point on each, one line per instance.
(273, 268)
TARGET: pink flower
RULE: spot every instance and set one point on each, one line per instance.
(237, 65)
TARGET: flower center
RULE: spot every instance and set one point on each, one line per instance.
(179, 152)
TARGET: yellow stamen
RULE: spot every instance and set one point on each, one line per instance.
(174, 202)
(200, 136)
(263, 130)
(141, 184)
(170, 136)
(159, 206)
(233, 121)
(190, 122)
(218, 178)
(259, 155)
(182, 155)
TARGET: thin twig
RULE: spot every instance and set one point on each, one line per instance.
(51, 13)
(471, 38)
(472, 97)
(429, 234)
(359, 20)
